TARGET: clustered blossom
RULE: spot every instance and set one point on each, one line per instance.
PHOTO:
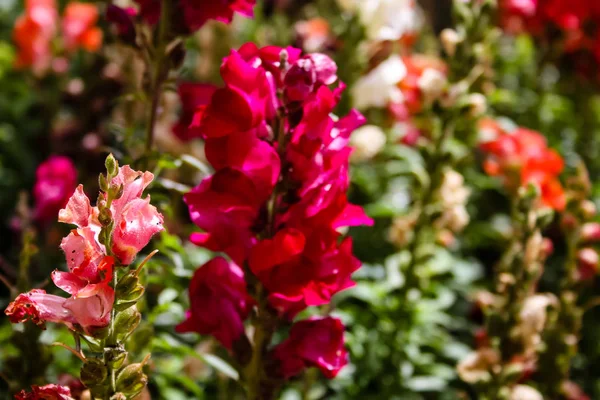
(403, 86)
(56, 179)
(387, 19)
(522, 157)
(578, 20)
(47, 392)
(192, 14)
(38, 27)
(90, 263)
(278, 195)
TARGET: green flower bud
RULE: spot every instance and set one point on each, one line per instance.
(127, 284)
(115, 356)
(93, 372)
(112, 166)
(105, 216)
(132, 380)
(127, 321)
(103, 183)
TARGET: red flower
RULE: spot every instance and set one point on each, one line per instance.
(79, 28)
(47, 392)
(197, 12)
(192, 96)
(219, 302)
(56, 179)
(317, 342)
(522, 157)
(238, 107)
(123, 20)
(276, 205)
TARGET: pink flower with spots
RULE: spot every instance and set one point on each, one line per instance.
(47, 392)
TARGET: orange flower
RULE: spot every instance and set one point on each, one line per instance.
(522, 157)
(33, 33)
(416, 65)
(79, 28)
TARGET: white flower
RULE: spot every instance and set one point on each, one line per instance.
(533, 319)
(367, 142)
(389, 19)
(476, 366)
(379, 86)
(524, 392)
(432, 84)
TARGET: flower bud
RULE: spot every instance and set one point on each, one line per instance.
(524, 392)
(126, 284)
(103, 183)
(588, 209)
(590, 232)
(115, 356)
(477, 104)
(105, 216)
(450, 39)
(112, 166)
(132, 380)
(93, 372)
(587, 263)
(432, 84)
(127, 320)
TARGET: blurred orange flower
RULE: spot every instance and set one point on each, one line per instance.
(522, 157)
(33, 34)
(79, 27)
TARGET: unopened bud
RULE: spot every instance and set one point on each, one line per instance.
(432, 84)
(93, 372)
(477, 104)
(103, 183)
(569, 222)
(132, 380)
(588, 209)
(587, 263)
(450, 39)
(547, 247)
(112, 166)
(115, 356)
(105, 216)
(590, 232)
(127, 321)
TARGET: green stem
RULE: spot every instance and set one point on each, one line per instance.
(434, 165)
(160, 73)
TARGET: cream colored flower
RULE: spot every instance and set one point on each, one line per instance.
(524, 392)
(476, 366)
(380, 86)
(386, 19)
(367, 141)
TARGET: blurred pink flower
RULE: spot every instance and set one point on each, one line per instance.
(56, 179)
